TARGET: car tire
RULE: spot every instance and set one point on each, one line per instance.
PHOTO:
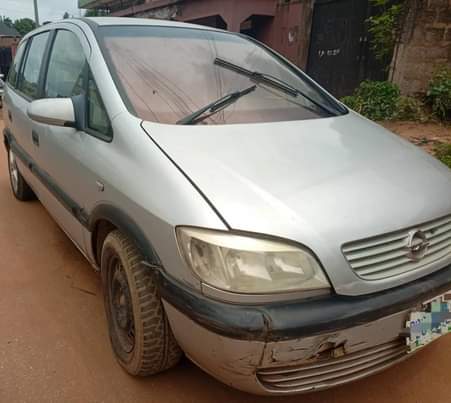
(139, 331)
(21, 190)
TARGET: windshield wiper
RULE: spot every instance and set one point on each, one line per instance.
(215, 107)
(269, 80)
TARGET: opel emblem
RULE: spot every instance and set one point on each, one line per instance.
(417, 245)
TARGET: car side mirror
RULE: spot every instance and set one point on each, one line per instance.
(53, 111)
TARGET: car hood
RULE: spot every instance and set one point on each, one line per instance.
(322, 183)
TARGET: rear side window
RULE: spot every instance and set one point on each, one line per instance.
(29, 79)
(14, 70)
(67, 64)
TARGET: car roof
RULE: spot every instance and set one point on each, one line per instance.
(120, 21)
(142, 21)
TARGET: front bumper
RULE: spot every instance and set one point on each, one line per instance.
(301, 346)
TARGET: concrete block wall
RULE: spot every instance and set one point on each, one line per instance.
(425, 44)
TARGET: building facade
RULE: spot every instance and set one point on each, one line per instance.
(9, 39)
(280, 24)
(326, 38)
(424, 44)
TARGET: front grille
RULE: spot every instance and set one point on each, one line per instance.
(386, 255)
(333, 371)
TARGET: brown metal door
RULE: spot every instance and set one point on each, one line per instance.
(338, 44)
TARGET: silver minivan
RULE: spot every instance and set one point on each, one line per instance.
(235, 210)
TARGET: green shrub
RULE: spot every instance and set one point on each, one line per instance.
(376, 100)
(383, 28)
(353, 102)
(409, 108)
(439, 93)
(443, 153)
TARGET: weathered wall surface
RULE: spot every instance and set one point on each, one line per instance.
(283, 25)
(425, 44)
(8, 42)
(289, 32)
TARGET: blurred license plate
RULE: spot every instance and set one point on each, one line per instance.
(429, 324)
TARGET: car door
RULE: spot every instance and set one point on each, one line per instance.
(24, 87)
(63, 150)
(9, 98)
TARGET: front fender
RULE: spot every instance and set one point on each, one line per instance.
(127, 226)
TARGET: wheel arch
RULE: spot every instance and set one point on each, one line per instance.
(106, 218)
(6, 138)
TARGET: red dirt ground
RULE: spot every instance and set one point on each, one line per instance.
(427, 135)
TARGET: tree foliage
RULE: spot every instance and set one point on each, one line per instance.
(7, 21)
(24, 25)
(383, 28)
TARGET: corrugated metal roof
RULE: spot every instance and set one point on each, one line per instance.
(7, 31)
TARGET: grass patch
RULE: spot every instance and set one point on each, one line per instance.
(443, 153)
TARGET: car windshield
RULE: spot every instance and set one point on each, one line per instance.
(167, 74)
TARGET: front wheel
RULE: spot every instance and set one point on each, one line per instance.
(139, 330)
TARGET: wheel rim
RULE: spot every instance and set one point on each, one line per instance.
(13, 171)
(121, 307)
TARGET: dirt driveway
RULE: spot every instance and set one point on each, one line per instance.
(54, 345)
(427, 135)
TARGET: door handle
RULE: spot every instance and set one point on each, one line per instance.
(35, 138)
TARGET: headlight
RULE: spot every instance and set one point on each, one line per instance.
(243, 264)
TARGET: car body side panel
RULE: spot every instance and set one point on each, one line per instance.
(24, 168)
(18, 122)
(20, 127)
(136, 177)
(141, 181)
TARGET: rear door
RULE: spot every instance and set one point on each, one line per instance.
(24, 87)
(10, 84)
(27, 90)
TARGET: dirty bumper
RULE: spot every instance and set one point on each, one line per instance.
(301, 346)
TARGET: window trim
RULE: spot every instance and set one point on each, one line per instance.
(13, 86)
(45, 64)
(49, 55)
(95, 133)
(86, 73)
(20, 71)
(24, 62)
